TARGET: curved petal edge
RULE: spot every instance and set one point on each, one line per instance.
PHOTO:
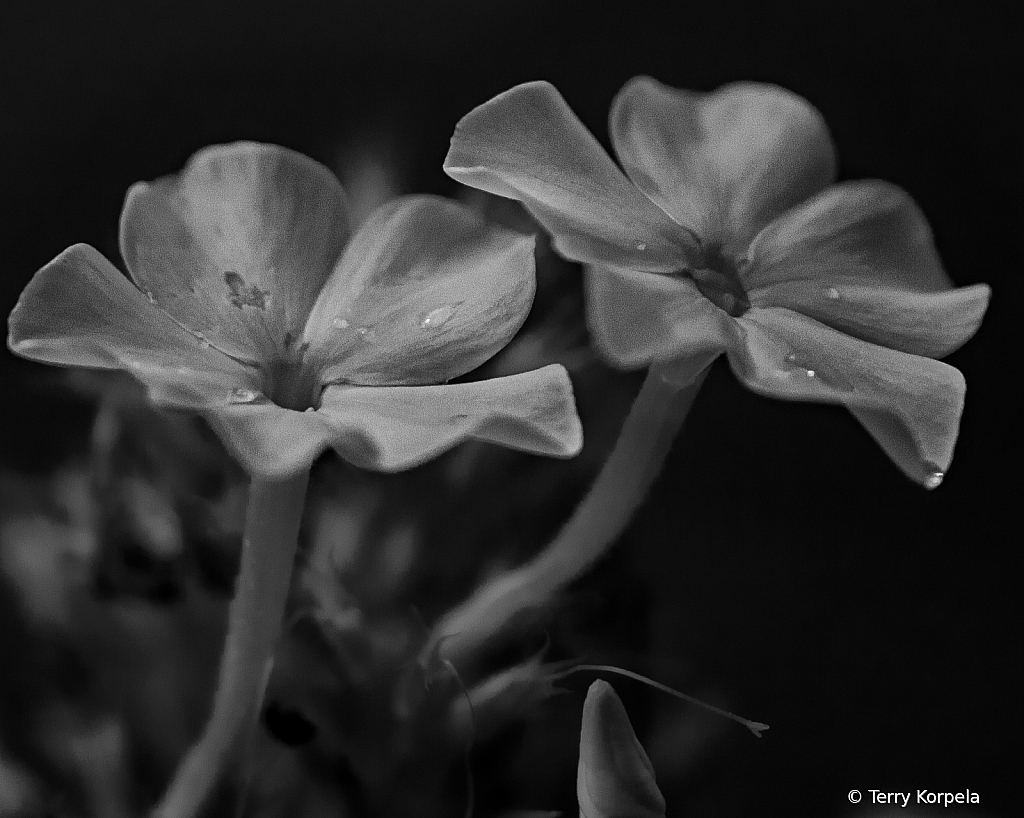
(527, 144)
(408, 425)
(910, 404)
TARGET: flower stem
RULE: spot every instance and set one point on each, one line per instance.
(657, 414)
(254, 624)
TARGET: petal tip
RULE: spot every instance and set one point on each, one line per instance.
(568, 435)
(599, 690)
(457, 163)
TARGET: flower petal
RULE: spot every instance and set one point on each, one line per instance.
(275, 442)
(929, 324)
(238, 245)
(865, 232)
(408, 425)
(723, 163)
(425, 292)
(638, 318)
(910, 404)
(889, 432)
(860, 258)
(79, 310)
(615, 778)
(527, 144)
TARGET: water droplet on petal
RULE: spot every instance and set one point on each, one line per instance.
(825, 376)
(797, 361)
(241, 394)
(339, 323)
(933, 479)
(641, 246)
(438, 317)
(832, 294)
(366, 333)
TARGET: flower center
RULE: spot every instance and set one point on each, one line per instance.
(718, 281)
(292, 383)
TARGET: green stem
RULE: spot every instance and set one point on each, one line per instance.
(657, 414)
(254, 624)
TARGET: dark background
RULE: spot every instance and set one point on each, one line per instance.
(874, 625)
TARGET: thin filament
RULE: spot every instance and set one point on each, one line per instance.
(755, 727)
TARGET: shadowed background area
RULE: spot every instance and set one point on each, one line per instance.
(792, 570)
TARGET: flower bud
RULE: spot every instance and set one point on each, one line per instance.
(615, 779)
